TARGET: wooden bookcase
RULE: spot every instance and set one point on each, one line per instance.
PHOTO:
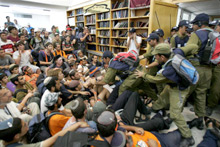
(111, 28)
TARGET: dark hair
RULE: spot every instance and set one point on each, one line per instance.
(19, 43)
(15, 79)
(72, 73)
(48, 43)
(165, 55)
(107, 130)
(78, 112)
(10, 28)
(66, 72)
(2, 75)
(52, 83)
(8, 134)
(51, 107)
(21, 34)
(55, 45)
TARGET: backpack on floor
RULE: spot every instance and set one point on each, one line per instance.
(185, 69)
(38, 127)
(80, 139)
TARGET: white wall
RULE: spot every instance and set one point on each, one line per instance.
(40, 18)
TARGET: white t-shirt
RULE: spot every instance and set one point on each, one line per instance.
(25, 57)
(7, 46)
(43, 108)
(132, 44)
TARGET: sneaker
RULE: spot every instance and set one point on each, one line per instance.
(209, 111)
(185, 142)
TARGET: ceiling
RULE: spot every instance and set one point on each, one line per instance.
(211, 7)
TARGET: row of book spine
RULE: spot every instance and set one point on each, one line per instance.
(104, 24)
(120, 24)
(120, 14)
(120, 4)
(103, 48)
(79, 11)
(104, 16)
(104, 33)
(90, 19)
(104, 41)
(79, 18)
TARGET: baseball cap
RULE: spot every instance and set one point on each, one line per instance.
(214, 23)
(162, 48)
(93, 70)
(132, 30)
(107, 54)
(159, 32)
(184, 23)
(174, 29)
(6, 124)
(201, 17)
(152, 36)
(51, 98)
(12, 66)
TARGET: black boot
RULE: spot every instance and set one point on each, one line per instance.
(209, 111)
(186, 142)
(200, 125)
(196, 122)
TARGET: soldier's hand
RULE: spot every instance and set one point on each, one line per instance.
(139, 74)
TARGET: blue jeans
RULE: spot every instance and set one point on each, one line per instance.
(209, 140)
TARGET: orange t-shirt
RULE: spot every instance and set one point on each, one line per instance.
(139, 140)
(32, 82)
(57, 122)
(61, 53)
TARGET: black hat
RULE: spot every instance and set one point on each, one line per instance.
(152, 36)
(132, 30)
(159, 32)
(184, 23)
(201, 17)
(107, 54)
(174, 29)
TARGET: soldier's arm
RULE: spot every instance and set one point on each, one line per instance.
(172, 42)
(110, 76)
(192, 45)
(159, 78)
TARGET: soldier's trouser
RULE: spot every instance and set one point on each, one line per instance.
(175, 98)
(133, 84)
(200, 89)
(214, 95)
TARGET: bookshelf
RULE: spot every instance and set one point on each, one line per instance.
(109, 30)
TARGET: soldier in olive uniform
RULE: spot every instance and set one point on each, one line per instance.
(180, 39)
(195, 55)
(133, 84)
(173, 95)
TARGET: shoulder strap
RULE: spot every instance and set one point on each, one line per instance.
(20, 90)
(45, 56)
(98, 143)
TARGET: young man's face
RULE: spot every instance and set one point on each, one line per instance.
(4, 80)
(46, 34)
(22, 38)
(15, 70)
(5, 96)
(2, 53)
(95, 59)
(152, 42)
(68, 38)
(21, 47)
(183, 30)
(50, 47)
(14, 31)
(59, 61)
(83, 62)
(3, 37)
(21, 80)
(57, 86)
(58, 47)
(217, 28)
(160, 58)
(29, 70)
(60, 76)
(195, 27)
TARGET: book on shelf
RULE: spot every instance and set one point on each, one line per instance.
(120, 14)
(79, 24)
(120, 42)
(117, 24)
(120, 34)
(147, 13)
(79, 18)
(90, 19)
(104, 24)
(103, 48)
(142, 24)
(118, 4)
(92, 29)
(116, 50)
(79, 11)
(104, 33)
(72, 13)
(105, 15)
(144, 35)
(104, 41)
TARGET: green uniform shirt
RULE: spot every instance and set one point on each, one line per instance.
(110, 75)
(172, 40)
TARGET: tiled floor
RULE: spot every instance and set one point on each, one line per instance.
(197, 134)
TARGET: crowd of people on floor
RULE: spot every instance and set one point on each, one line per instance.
(48, 75)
